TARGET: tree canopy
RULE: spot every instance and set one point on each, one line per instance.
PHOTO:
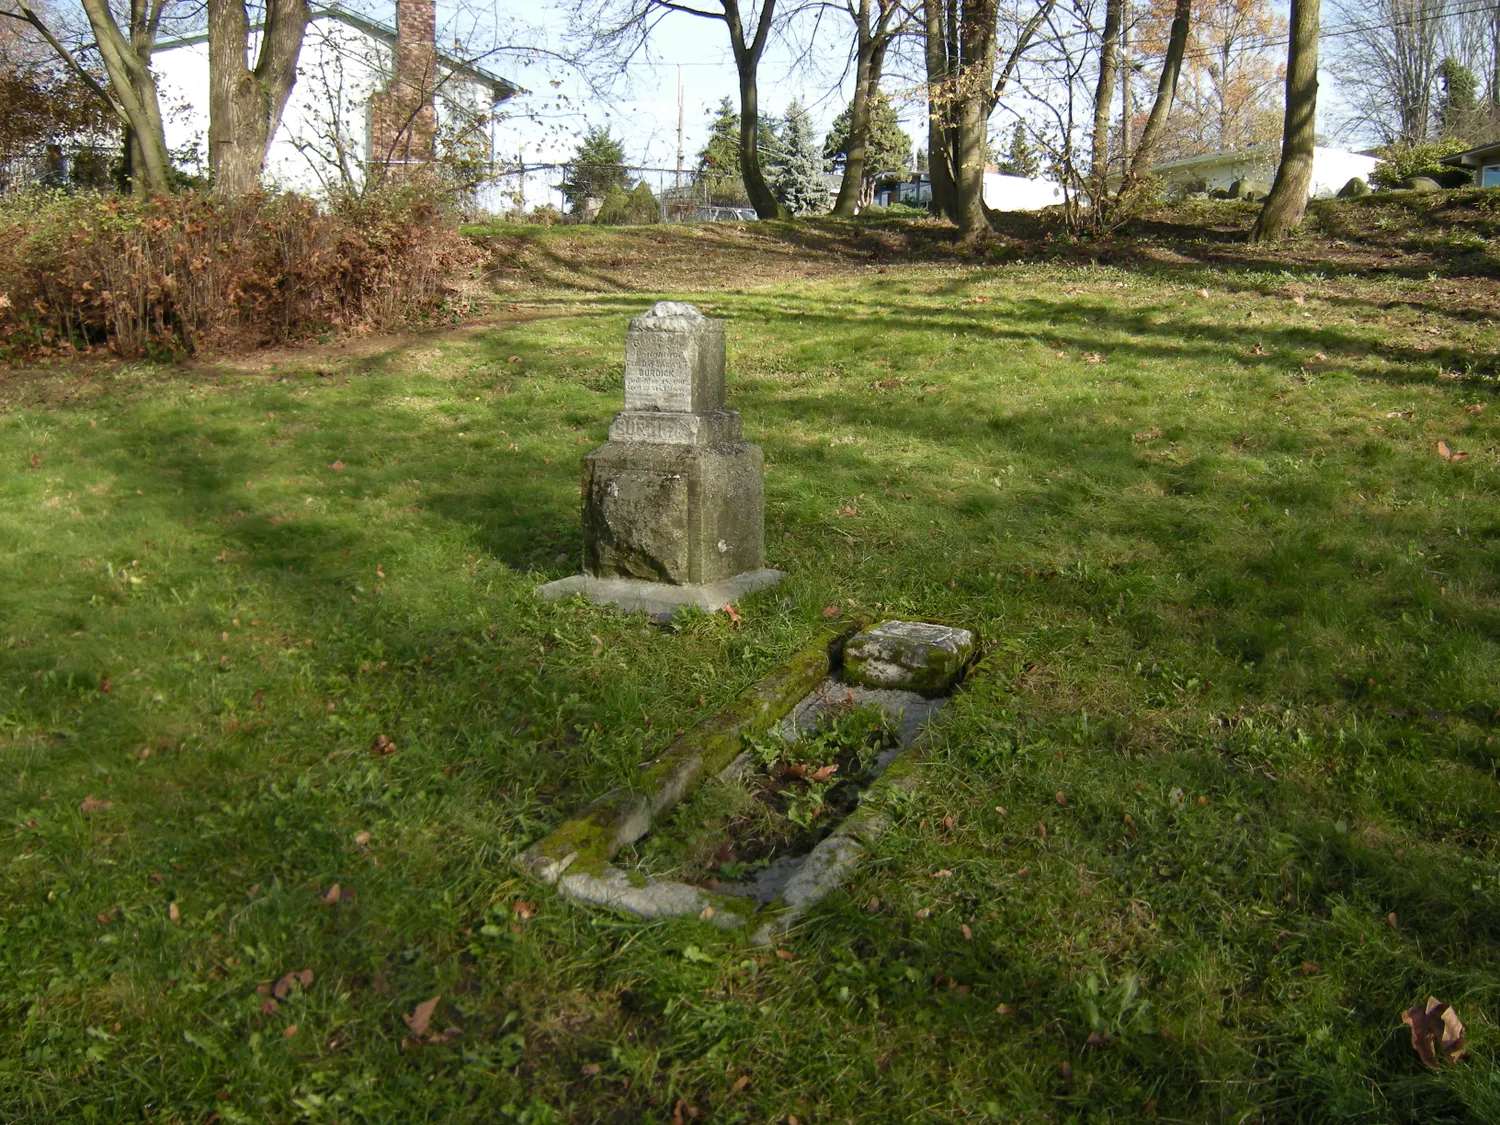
(889, 146)
(597, 167)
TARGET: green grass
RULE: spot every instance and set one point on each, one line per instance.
(1238, 702)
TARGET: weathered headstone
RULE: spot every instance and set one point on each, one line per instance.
(673, 503)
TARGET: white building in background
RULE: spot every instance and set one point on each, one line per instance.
(1001, 192)
(1332, 169)
(324, 140)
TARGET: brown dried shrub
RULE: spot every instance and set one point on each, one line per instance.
(188, 272)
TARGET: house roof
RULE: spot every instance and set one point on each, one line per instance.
(500, 88)
(1474, 157)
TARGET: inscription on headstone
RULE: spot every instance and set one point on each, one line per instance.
(674, 360)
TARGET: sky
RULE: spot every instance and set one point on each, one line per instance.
(644, 110)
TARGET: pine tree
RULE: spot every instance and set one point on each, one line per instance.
(1022, 159)
(888, 147)
(597, 168)
(798, 181)
(719, 160)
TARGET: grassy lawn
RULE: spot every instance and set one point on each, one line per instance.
(1218, 803)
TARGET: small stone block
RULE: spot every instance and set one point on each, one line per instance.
(909, 656)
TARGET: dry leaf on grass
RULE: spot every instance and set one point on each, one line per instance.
(382, 745)
(283, 987)
(1201, 292)
(337, 466)
(797, 770)
(291, 1030)
(524, 910)
(1405, 415)
(336, 894)
(174, 914)
(968, 933)
(421, 1017)
(361, 839)
(1474, 408)
(943, 874)
(1437, 1035)
(1092, 357)
(1448, 454)
(733, 614)
(823, 773)
(92, 803)
(786, 955)
(830, 611)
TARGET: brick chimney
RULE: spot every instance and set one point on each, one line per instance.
(403, 123)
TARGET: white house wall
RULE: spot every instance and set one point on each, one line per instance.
(324, 137)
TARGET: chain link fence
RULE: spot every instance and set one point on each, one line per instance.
(537, 191)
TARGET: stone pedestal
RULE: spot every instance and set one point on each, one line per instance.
(674, 501)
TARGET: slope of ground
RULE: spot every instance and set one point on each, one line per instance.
(1218, 804)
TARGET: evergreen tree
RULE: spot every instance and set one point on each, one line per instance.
(888, 148)
(1458, 105)
(597, 168)
(719, 160)
(1022, 159)
(798, 181)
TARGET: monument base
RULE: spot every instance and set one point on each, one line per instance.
(659, 599)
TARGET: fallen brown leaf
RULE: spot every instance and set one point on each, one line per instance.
(1309, 968)
(92, 803)
(361, 839)
(524, 910)
(1437, 1034)
(108, 916)
(797, 770)
(283, 987)
(1062, 798)
(514, 359)
(734, 615)
(1200, 292)
(1405, 415)
(943, 874)
(291, 1030)
(421, 1016)
(1092, 357)
(968, 933)
(740, 1083)
(104, 684)
(382, 745)
(174, 914)
(268, 1006)
(337, 466)
(1474, 408)
(588, 1070)
(831, 611)
(823, 773)
(786, 955)
(924, 912)
(1448, 454)
(332, 896)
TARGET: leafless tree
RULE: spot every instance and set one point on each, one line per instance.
(1388, 54)
(618, 30)
(245, 104)
(1287, 202)
(877, 23)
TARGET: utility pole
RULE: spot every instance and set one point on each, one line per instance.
(679, 126)
(1125, 94)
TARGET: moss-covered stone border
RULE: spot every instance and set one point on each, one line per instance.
(584, 844)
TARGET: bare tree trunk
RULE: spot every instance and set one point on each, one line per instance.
(847, 202)
(1104, 97)
(941, 166)
(134, 88)
(977, 39)
(1287, 203)
(244, 105)
(870, 47)
(1166, 92)
(747, 58)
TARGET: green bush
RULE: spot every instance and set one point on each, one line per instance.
(1399, 163)
(629, 208)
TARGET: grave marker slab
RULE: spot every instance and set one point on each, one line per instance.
(673, 503)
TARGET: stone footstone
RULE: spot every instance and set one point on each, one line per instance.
(908, 656)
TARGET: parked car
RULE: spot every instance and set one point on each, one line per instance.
(727, 214)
